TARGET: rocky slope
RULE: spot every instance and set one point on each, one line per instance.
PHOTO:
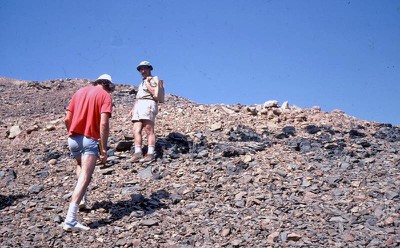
(225, 176)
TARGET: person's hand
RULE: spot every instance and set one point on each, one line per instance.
(148, 82)
(103, 157)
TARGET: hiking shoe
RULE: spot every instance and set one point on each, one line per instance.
(135, 158)
(147, 158)
(82, 204)
(75, 228)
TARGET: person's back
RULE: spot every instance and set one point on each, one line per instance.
(86, 106)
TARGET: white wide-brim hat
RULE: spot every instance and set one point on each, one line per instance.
(105, 76)
(144, 63)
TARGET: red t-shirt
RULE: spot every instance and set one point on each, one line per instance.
(86, 106)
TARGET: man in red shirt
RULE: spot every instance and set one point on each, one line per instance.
(87, 122)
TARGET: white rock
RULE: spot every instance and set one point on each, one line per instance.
(14, 131)
(50, 128)
(247, 159)
(216, 126)
(259, 107)
(228, 110)
(318, 108)
(271, 103)
(285, 105)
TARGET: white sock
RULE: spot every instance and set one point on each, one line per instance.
(150, 150)
(138, 149)
(71, 215)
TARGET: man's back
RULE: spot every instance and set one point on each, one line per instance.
(86, 106)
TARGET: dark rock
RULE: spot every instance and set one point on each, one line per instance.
(176, 199)
(124, 146)
(52, 155)
(58, 219)
(25, 149)
(356, 134)
(149, 222)
(312, 129)
(42, 174)
(108, 171)
(289, 130)
(160, 194)
(35, 189)
(229, 151)
(11, 175)
(389, 133)
(282, 136)
(391, 195)
(242, 133)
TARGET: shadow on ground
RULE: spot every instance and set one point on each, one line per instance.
(6, 201)
(137, 207)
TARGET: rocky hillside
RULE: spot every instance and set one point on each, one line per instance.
(225, 176)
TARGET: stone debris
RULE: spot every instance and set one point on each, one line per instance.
(224, 176)
(14, 132)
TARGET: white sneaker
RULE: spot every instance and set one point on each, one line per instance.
(75, 228)
(82, 204)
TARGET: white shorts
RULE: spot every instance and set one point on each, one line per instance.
(144, 109)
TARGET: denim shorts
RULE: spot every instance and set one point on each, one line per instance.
(80, 145)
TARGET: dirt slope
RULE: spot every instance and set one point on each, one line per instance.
(225, 176)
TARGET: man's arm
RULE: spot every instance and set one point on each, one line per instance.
(68, 119)
(149, 86)
(104, 132)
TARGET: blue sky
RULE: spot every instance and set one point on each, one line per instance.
(333, 54)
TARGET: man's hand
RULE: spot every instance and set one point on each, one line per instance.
(103, 153)
(103, 157)
(68, 119)
(149, 84)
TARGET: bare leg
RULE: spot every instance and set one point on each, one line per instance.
(84, 177)
(78, 167)
(149, 129)
(82, 203)
(151, 140)
(137, 132)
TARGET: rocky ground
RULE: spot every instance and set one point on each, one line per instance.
(225, 176)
